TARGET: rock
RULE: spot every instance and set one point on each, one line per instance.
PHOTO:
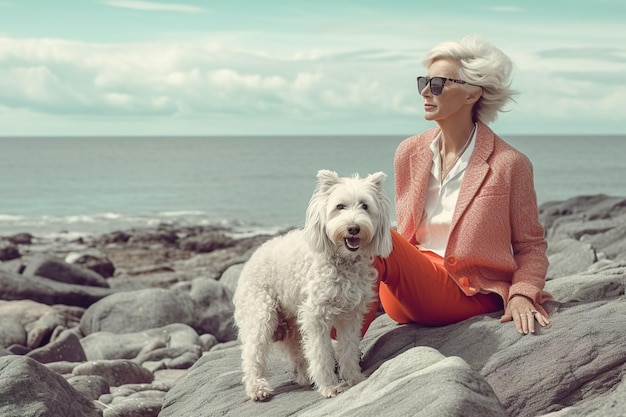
(574, 367)
(116, 237)
(208, 341)
(597, 220)
(62, 367)
(18, 350)
(607, 282)
(90, 386)
(116, 372)
(161, 236)
(529, 374)
(8, 251)
(171, 346)
(612, 405)
(212, 308)
(230, 277)
(136, 311)
(93, 260)
(58, 270)
(38, 320)
(135, 407)
(20, 239)
(579, 210)
(436, 386)
(12, 332)
(47, 291)
(29, 389)
(203, 304)
(66, 347)
(206, 242)
(568, 256)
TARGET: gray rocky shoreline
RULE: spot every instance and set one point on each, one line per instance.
(139, 323)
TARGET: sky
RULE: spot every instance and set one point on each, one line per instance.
(299, 67)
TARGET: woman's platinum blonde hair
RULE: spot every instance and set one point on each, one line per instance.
(484, 65)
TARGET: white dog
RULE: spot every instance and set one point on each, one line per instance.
(297, 287)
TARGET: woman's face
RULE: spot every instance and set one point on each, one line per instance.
(453, 101)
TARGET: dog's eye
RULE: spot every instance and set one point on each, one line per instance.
(364, 206)
(340, 206)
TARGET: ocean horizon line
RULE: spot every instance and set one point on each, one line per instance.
(286, 136)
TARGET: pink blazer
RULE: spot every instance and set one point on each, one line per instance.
(496, 242)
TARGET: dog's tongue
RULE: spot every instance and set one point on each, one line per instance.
(353, 243)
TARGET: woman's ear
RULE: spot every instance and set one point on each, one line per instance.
(474, 96)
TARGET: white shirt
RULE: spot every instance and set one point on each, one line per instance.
(434, 228)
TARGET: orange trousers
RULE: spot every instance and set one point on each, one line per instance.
(414, 287)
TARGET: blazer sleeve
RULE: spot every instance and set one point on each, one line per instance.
(528, 242)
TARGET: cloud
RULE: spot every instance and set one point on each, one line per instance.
(152, 6)
(264, 81)
(585, 53)
(184, 80)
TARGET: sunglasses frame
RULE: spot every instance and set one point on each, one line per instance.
(443, 83)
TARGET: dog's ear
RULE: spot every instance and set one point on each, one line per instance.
(377, 178)
(326, 179)
(314, 226)
(383, 234)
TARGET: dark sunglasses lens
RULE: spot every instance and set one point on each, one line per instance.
(422, 82)
(436, 85)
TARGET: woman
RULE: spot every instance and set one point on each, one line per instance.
(469, 239)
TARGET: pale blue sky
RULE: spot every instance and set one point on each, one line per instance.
(235, 67)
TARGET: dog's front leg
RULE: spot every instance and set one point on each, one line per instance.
(318, 350)
(348, 350)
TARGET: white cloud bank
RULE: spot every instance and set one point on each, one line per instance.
(212, 87)
(187, 80)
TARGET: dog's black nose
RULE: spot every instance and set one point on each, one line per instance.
(354, 229)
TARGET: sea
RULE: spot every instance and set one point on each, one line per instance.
(67, 187)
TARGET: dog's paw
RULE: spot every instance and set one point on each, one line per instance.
(333, 391)
(261, 394)
(259, 391)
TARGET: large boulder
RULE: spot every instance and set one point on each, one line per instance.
(572, 367)
(39, 321)
(116, 372)
(204, 304)
(135, 311)
(58, 270)
(419, 381)
(65, 347)
(24, 287)
(172, 346)
(29, 389)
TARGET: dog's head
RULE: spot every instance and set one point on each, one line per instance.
(349, 216)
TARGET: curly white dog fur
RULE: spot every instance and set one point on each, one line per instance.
(297, 287)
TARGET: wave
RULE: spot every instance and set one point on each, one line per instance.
(73, 227)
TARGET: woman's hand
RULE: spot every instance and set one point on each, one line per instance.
(521, 310)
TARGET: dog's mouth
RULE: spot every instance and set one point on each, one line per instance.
(352, 243)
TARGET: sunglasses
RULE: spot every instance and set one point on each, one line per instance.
(436, 84)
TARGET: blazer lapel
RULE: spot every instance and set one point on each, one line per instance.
(477, 170)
